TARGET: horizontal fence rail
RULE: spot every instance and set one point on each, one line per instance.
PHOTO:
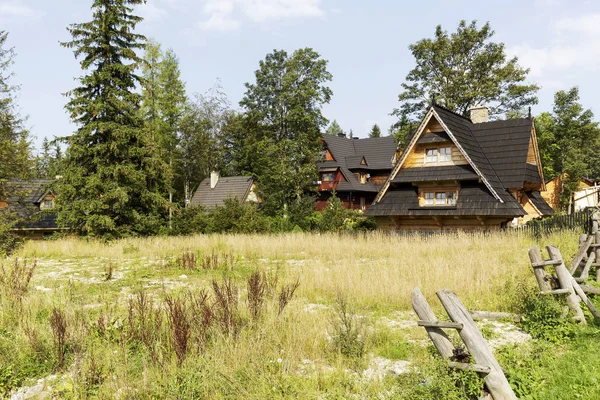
(580, 220)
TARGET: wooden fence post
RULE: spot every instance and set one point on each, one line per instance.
(437, 335)
(495, 381)
(565, 280)
(535, 255)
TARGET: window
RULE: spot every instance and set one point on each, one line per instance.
(451, 196)
(47, 205)
(329, 177)
(431, 155)
(362, 204)
(440, 198)
(446, 154)
(429, 199)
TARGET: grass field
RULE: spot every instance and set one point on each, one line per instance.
(220, 316)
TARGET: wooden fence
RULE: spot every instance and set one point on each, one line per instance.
(581, 220)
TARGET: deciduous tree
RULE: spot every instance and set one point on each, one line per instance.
(464, 69)
(285, 123)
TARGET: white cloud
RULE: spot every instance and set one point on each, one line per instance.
(226, 14)
(574, 47)
(14, 9)
(151, 12)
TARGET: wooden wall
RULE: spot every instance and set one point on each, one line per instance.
(442, 223)
(417, 157)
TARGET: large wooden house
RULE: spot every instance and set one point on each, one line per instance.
(354, 168)
(461, 173)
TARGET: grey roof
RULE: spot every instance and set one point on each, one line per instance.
(488, 196)
(378, 154)
(539, 203)
(474, 199)
(426, 174)
(232, 186)
(433, 137)
(23, 198)
(506, 144)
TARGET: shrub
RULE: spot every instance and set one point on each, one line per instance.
(190, 220)
(348, 333)
(237, 216)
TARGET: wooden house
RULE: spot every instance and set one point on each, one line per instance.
(31, 203)
(587, 194)
(354, 168)
(464, 173)
(212, 192)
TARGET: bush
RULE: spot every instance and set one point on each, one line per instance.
(190, 220)
(542, 317)
(237, 216)
(348, 332)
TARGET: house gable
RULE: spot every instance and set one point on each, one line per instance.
(435, 123)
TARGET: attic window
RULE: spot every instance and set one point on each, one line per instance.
(47, 204)
(328, 177)
(445, 154)
(431, 155)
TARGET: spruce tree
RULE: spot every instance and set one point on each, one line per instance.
(15, 152)
(375, 131)
(114, 180)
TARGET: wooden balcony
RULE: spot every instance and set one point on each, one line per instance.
(328, 185)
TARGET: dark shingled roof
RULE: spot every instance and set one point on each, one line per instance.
(539, 203)
(497, 152)
(23, 198)
(378, 154)
(429, 174)
(232, 186)
(433, 137)
(506, 144)
(474, 199)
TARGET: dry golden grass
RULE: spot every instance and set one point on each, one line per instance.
(375, 270)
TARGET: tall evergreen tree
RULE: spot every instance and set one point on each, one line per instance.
(163, 104)
(284, 125)
(114, 180)
(48, 160)
(375, 131)
(334, 128)
(15, 151)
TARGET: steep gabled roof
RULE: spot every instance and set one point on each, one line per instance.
(24, 197)
(377, 152)
(232, 186)
(506, 144)
(460, 131)
(371, 154)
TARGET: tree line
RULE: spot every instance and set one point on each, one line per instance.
(143, 144)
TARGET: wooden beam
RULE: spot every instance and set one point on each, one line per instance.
(546, 263)
(495, 381)
(438, 220)
(564, 279)
(481, 219)
(580, 254)
(535, 255)
(440, 324)
(557, 291)
(439, 338)
(482, 369)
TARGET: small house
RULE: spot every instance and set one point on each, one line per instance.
(586, 195)
(354, 168)
(212, 192)
(31, 202)
(464, 173)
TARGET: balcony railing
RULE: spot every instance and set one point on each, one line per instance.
(328, 185)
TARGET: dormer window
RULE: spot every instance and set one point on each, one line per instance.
(446, 154)
(47, 204)
(328, 177)
(431, 155)
(444, 197)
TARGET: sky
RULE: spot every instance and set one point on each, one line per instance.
(365, 42)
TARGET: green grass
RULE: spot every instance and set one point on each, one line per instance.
(279, 355)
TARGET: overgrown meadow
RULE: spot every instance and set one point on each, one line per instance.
(288, 316)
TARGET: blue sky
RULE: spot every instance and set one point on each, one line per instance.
(366, 43)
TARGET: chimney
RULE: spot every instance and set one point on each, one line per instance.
(479, 114)
(214, 179)
(341, 134)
